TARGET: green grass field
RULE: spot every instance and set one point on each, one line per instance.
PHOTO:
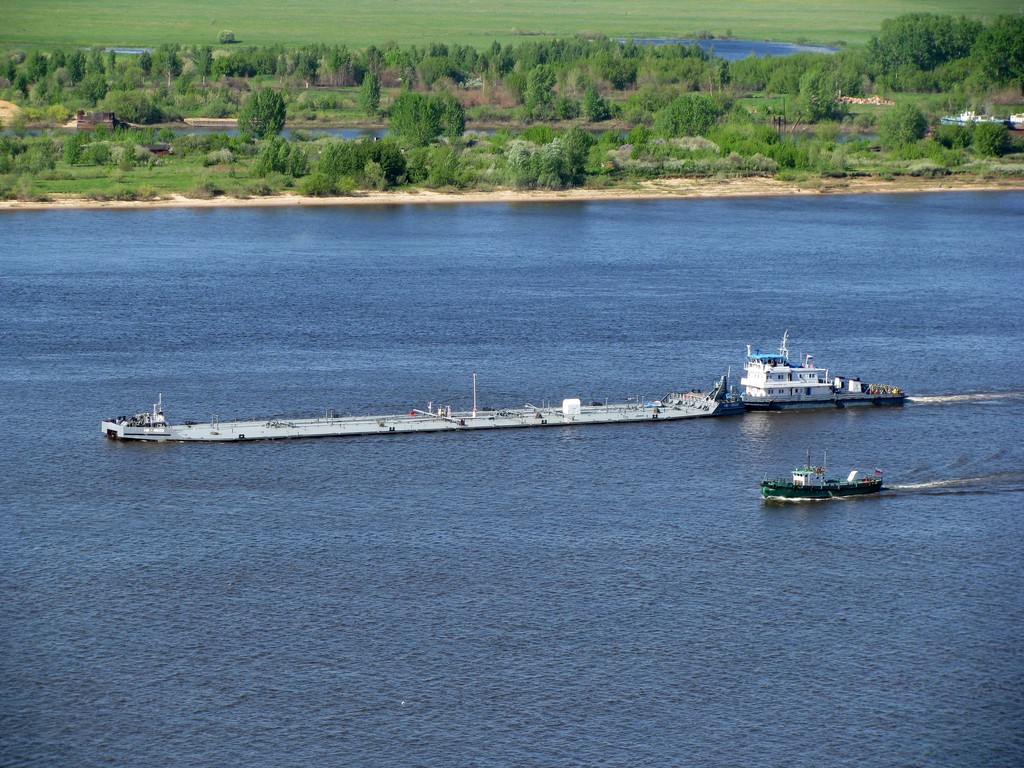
(474, 22)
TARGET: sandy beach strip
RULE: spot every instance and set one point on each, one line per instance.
(662, 189)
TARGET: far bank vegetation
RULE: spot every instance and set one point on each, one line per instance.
(545, 113)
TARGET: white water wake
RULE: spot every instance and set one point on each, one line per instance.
(995, 482)
(974, 397)
(936, 484)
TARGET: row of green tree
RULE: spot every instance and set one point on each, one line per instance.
(418, 119)
(557, 79)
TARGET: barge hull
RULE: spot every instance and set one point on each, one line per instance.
(415, 422)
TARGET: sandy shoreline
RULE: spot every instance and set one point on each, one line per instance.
(653, 190)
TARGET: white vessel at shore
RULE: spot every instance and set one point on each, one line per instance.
(774, 383)
(969, 117)
(154, 427)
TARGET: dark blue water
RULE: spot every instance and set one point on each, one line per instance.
(604, 596)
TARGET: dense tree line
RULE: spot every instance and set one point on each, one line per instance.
(679, 104)
(537, 80)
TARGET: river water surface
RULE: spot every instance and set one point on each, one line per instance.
(600, 596)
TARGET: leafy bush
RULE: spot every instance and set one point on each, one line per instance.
(279, 156)
(556, 165)
(351, 158)
(145, 157)
(566, 108)
(97, 153)
(790, 154)
(219, 157)
(691, 114)
(205, 189)
(818, 97)
(123, 156)
(762, 164)
(258, 188)
(73, 147)
(902, 124)
(263, 114)
(443, 168)
(318, 184)
(25, 189)
(192, 144)
(927, 169)
(639, 136)
(538, 134)
(913, 151)
(953, 136)
(990, 139)
(940, 155)
(7, 185)
(11, 145)
(419, 119)
(373, 175)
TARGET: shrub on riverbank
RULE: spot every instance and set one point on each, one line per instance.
(110, 165)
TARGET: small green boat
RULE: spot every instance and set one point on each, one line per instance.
(812, 482)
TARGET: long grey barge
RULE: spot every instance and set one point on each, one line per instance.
(154, 427)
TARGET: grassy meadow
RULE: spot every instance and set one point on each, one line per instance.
(358, 24)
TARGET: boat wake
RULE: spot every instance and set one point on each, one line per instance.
(974, 397)
(998, 482)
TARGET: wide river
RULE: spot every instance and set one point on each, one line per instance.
(600, 596)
